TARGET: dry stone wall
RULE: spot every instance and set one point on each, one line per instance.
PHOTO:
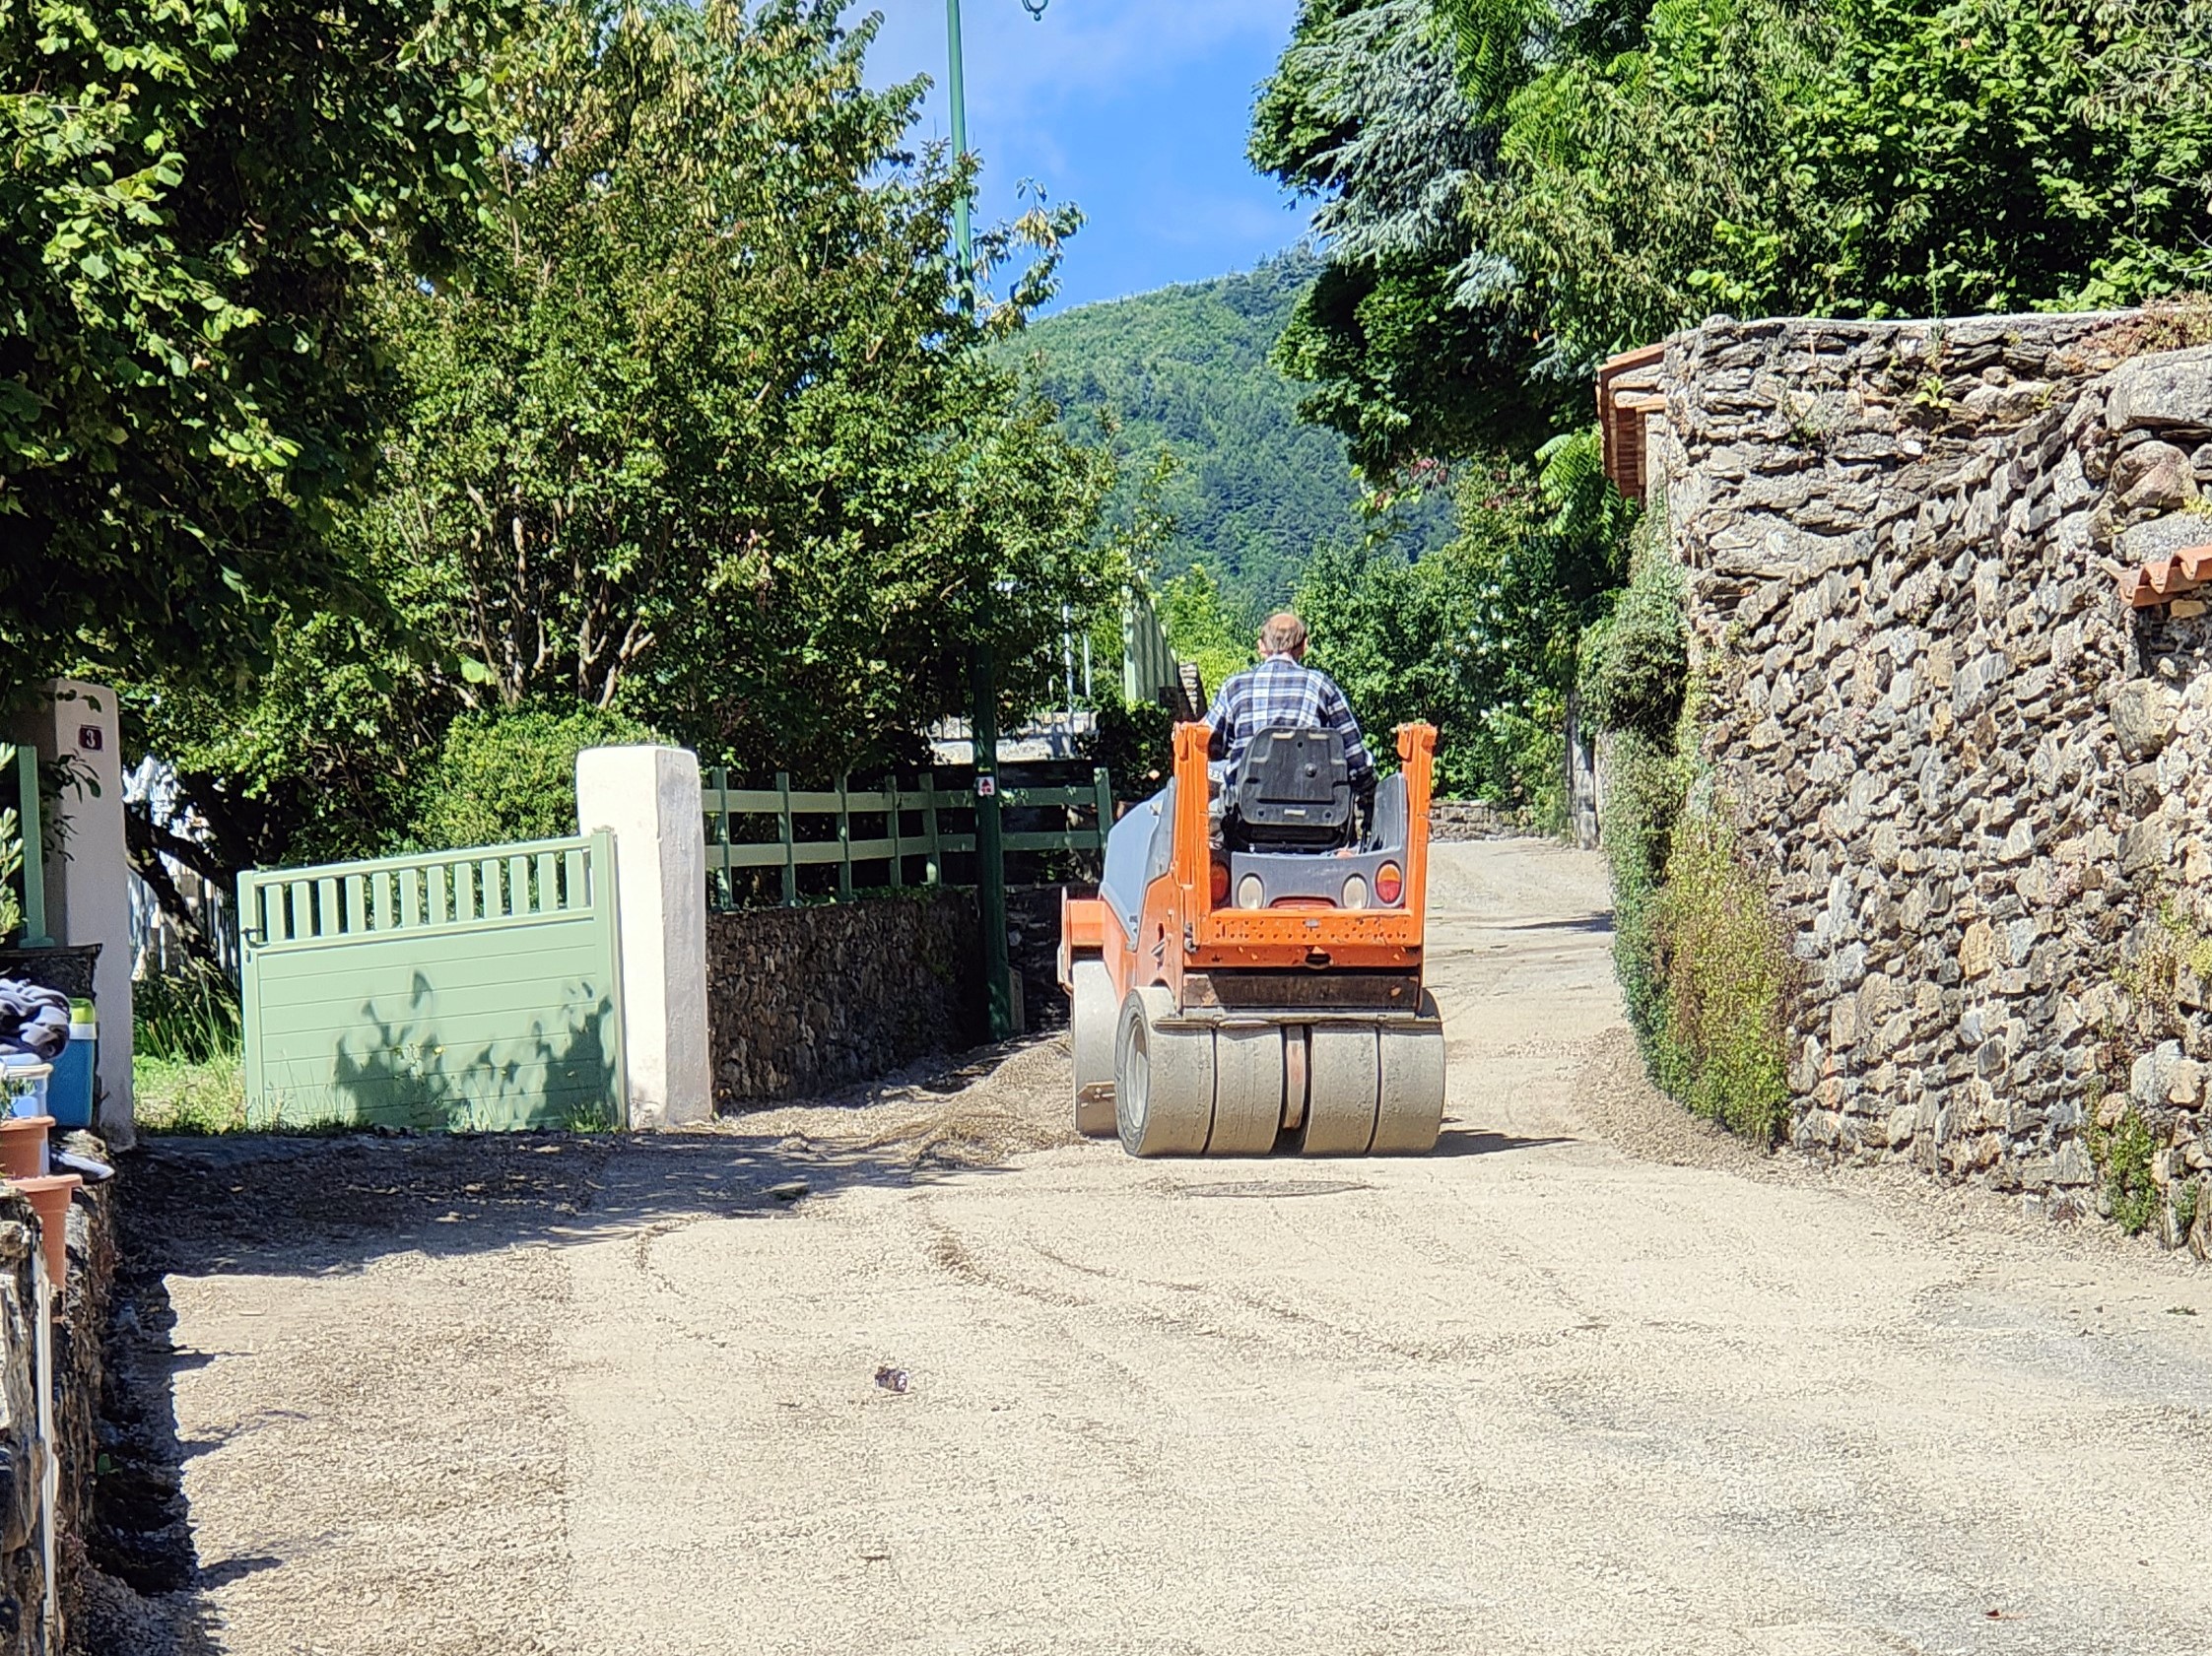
(802, 999)
(79, 1332)
(1977, 786)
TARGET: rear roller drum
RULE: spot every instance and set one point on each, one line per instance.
(1163, 1079)
(1343, 1084)
(1091, 1042)
(1247, 1090)
(1411, 1113)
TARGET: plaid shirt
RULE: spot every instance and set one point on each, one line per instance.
(1281, 695)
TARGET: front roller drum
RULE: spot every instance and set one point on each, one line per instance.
(1163, 1079)
(1247, 1089)
(1343, 1083)
(1091, 1029)
(1409, 1112)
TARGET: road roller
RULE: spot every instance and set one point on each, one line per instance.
(1248, 978)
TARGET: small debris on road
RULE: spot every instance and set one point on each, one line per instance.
(2181, 1310)
(788, 1191)
(891, 1379)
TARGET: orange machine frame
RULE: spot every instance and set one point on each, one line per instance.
(1179, 929)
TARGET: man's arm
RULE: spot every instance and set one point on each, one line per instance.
(1336, 712)
(1222, 718)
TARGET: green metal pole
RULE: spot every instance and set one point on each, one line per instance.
(991, 850)
(957, 86)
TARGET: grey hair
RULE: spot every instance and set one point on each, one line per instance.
(1283, 634)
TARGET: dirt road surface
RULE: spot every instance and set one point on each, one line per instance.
(1589, 1380)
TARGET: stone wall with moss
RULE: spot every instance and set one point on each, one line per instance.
(1974, 785)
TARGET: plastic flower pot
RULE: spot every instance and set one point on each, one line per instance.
(49, 1200)
(22, 1146)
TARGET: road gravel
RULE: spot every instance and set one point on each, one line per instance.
(1591, 1378)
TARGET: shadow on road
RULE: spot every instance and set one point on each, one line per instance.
(1455, 1142)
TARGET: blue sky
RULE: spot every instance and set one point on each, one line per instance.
(1135, 110)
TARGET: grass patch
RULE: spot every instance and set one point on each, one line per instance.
(190, 1015)
(189, 1095)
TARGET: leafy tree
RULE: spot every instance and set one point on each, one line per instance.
(195, 195)
(705, 444)
(710, 438)
(1205, 627)
(507, 776)
(1410, 336)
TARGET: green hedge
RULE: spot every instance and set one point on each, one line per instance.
(1705, 970)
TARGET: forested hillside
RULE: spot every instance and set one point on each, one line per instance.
(1188, 369)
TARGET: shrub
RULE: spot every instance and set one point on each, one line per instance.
(1136, 742)
(1636, 662)
(1727, 971)
(2123, 1154)
(1644, 796)
(507, 776)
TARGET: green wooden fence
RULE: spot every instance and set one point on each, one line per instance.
(29, 826)
(473, 989)
(908, 824)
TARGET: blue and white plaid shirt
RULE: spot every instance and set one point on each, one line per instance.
(1281, 694)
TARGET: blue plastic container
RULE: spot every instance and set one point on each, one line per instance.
(24, 1087)
(69, 1091)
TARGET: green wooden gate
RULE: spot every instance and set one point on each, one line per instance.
(468, 990)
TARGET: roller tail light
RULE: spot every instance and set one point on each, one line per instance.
(1389, 886)
(1221, 883)
(1355, 892)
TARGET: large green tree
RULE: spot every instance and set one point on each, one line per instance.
(711, 438)
(1513, 188)
(192, 196)
(706, 442)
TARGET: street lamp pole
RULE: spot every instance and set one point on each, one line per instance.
(990, 844)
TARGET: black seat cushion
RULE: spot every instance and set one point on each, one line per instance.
(1293, 791)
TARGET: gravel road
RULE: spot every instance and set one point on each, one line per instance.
(1591, 1378)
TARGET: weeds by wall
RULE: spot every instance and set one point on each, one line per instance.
(1724, 960)
(1703, 961)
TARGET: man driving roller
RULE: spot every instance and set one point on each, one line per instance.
(1283, 694)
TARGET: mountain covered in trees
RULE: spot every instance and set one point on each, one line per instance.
(1188, 370)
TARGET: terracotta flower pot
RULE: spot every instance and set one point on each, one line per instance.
(49, 1200)
(22, 1146)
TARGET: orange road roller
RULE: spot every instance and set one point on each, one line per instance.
(1249, 978)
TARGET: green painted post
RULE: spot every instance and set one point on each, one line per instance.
(1104, 786)
(990, 866)
(31, 822)
(898, 857)
(725, 895)
(790, 854)
(991, 850)
(933, 864)
(845, 840)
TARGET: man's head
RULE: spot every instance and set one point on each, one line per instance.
(1284, 634)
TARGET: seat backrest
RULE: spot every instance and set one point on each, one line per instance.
(1295, 789)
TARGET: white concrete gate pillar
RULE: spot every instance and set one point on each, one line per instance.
(648, 798)
(88, 891)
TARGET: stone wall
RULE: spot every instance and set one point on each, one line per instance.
(1475, 819)
(79, 1333)
(803, 999)
(1976, 783)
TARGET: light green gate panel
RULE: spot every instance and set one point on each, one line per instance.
(467, 990)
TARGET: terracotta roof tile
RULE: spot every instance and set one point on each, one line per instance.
(1628, 389)
(2163, 580)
